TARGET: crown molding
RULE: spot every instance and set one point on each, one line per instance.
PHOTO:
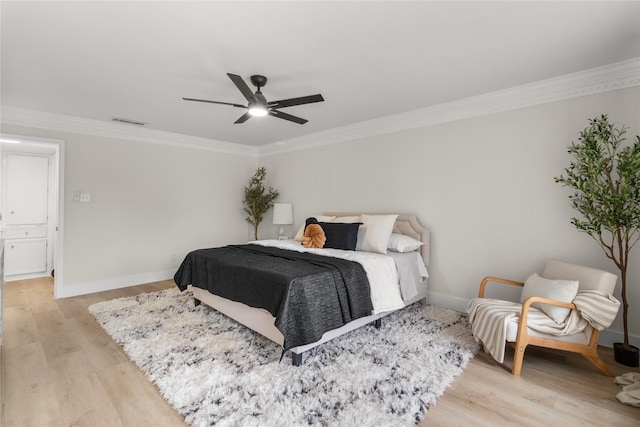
(596, 80)
(39, 119)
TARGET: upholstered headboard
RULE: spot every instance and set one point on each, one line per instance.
(406, 224)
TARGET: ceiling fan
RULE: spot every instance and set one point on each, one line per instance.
(258, 104)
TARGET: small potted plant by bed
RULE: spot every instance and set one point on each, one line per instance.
(605, 175)
(257, 199)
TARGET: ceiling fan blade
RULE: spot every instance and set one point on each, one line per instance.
(215, 102)
(285, 116)
(240, 84)
(296, 101)
(243, 118)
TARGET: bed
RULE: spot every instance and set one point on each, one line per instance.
(265, 319)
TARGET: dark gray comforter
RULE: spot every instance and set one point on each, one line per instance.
(308, 294)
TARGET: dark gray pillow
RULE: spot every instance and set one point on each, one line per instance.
(341, 235)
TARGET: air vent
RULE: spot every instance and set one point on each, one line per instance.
(129, 121)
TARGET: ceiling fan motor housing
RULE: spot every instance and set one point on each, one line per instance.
(258, 80)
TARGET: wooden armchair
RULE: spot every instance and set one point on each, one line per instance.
(519, 335)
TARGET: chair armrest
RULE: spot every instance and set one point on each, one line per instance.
(531, 300)
(497, 280)
(525, 309)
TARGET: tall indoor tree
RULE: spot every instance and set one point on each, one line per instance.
(257, 199)
(605, 175)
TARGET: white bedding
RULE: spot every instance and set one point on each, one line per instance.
(381, 271)
(411, 270)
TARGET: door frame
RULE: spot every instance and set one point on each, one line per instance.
(58, 180)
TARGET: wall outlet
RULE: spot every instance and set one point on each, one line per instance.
(85, 197)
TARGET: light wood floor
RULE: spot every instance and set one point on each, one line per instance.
(59, 368)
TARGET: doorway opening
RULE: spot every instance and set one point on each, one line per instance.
(28, 235)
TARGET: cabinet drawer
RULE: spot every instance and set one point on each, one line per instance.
(25, 256)
(31, 232)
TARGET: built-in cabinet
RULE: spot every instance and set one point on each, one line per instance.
(26, 250)
(25, 213)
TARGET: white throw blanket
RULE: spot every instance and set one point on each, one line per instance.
(630, 383)
(599, 308)
(489, 318)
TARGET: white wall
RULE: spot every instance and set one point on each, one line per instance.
(149, 203)
(484, 186)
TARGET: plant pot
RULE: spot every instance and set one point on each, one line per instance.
(626, 357)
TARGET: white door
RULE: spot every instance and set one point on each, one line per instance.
(26, 186)
(25, 213)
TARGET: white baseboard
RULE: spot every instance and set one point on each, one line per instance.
(442, 300)
(114, 283)
(16, 277)
(607, 338)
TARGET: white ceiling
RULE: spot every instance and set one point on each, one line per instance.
(136, 60)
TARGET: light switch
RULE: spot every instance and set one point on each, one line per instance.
(85, 197)
(76, 195)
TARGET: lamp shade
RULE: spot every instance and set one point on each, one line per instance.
(282, 213)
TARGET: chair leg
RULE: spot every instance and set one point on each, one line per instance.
(594, 358)
(518, 357)
(591, 354)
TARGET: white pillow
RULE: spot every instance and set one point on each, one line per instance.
(559, 290)
(374, 233)
(320, 218)
(346, 219)
(402, 243)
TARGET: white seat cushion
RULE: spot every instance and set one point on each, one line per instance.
(582, 337)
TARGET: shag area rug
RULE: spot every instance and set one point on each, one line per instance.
(214, 371)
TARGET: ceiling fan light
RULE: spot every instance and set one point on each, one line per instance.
(257, 110)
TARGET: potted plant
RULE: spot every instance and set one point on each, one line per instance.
(257, 200)
(606, 178)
